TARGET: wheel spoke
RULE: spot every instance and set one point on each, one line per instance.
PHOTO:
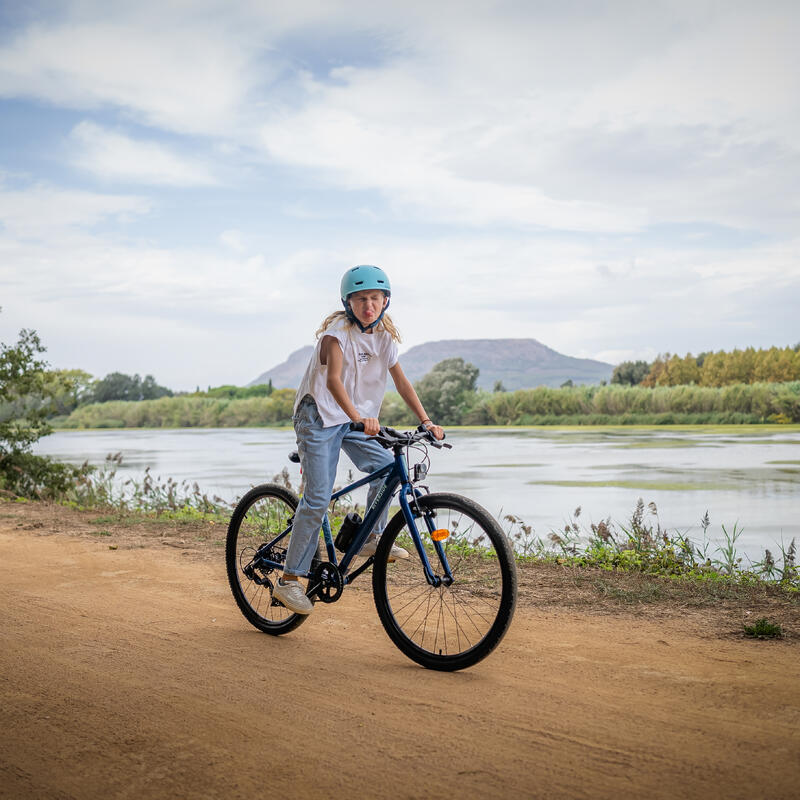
(260, 519)
(449, 626)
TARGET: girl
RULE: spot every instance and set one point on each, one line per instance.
(345, 382)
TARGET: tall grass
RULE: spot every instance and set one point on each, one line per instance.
(739, 403)
(639, 545)
(578, 405)
(186, 412)
(643, 545)
(103, 488)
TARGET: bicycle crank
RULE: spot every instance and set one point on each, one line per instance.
(328, 582)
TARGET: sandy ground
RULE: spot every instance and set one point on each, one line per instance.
(129, 673)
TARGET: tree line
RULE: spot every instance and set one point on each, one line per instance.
(68, 389)
(773, 365)
(753, 386)
(450, 395)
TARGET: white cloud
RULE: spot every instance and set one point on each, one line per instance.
(183, 76)
(488, 114)
(113, 156)
(250, 310)
(375, 155)
(596, 124)
(234, 240)
(444, 141)
(43, 210)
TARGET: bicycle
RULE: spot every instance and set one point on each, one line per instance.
(446, 607)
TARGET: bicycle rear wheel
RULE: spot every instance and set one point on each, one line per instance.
(260, 516)
(447, 627)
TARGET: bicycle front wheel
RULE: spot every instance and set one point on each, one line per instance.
(446, 627)
(262, 515)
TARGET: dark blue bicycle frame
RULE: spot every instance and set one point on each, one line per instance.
(396, 475)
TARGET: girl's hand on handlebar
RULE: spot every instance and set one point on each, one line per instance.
(436, 430)
(371, 426)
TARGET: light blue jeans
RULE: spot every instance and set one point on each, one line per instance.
(319, 456)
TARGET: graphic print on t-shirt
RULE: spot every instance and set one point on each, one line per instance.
(363, 358)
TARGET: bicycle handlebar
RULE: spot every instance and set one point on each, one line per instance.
(389, 437)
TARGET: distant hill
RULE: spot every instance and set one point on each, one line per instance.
(289, 374)
(517, 363)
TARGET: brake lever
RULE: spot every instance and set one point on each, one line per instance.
(432, 440)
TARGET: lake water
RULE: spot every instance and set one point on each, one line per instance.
(750, 477)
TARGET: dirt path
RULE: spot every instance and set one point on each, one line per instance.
(129, 673)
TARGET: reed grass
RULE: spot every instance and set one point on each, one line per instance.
(185, 412)
(643, 545)
(640, 545)
(736, 404)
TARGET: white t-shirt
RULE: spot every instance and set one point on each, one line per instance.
(367, 357)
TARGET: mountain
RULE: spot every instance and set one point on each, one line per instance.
(289, 374)
(517, 363)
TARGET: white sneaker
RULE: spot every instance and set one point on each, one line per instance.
(371, 545)
(291, 595)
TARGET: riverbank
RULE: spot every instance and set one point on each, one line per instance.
(575, 405)
(130, 673)
(722, 608)
(748, 478)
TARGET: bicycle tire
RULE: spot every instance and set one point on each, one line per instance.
(447, 627)
(259, 517)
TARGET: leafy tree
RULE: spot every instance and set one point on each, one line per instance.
(226, 390)
(702, 358)
(498, 386)
(69, 388)
(657, 369)
(630, 373)
(27, 392)
(150, 390)
(241, 392)
(116, 386)
(449, 391)
(21, 376)
(775, 365)
(679, 371)
(119, 386)
(395, 412)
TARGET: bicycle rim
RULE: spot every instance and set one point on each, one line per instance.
(447, 627)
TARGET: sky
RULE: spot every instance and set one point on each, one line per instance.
(183, 182)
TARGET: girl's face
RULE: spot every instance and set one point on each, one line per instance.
(367, 305)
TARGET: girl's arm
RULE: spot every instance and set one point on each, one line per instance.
(409, 394)
(331, 354)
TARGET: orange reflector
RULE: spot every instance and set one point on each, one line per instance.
(440, 534)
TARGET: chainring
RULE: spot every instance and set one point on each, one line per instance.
(328, 582)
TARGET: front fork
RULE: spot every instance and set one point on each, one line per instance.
(430, 521)
(433, 579)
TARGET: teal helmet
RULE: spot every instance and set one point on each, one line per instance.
(362, 278)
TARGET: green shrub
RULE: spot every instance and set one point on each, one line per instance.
(763, 629)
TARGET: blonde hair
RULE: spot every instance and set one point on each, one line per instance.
(385, 324)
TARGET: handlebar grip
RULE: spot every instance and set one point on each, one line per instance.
(422, 429)
(357, 426)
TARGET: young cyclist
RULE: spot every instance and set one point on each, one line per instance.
(345, 382)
